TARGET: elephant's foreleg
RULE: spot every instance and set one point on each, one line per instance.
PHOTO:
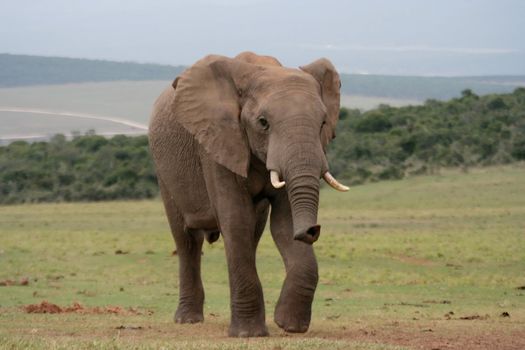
(237, 218)
(294, 307)
(189, 248)
(246, 297)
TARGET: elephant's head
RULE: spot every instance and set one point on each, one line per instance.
(251, 106)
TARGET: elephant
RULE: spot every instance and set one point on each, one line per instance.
(230, 139)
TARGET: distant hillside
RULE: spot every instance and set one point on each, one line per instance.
(422, 88)
(22, 70)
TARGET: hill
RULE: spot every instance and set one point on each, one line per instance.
(24, 70)
(422, 88)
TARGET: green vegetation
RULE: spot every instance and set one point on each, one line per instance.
(89, 167)
(389, 143)
(385, 143)
(401, 262)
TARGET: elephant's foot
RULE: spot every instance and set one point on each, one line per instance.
(189, 314)
(247, 329)
(292, 316)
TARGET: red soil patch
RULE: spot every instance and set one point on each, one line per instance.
(435, 335)
(46, 307)
(23, 282)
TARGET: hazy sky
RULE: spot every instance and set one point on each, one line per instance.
(429, 37)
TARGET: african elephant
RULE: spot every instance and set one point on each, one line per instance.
(230, 139)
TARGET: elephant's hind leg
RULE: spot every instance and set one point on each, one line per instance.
(189, 248)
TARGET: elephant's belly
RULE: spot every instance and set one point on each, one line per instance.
(200, 221)
(191, 198)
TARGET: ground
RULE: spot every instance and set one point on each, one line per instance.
(432, 262)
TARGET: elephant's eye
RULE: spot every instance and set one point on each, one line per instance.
(263, 122)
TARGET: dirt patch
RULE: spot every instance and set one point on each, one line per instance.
(475, 317)
(437, 302)
(43, 308)
(439, 335)
(22, 282)
(46, 307)
(133, 328)
(495, 333)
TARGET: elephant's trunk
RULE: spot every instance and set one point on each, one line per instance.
(302, 173)
(296, 157)
(303, 193)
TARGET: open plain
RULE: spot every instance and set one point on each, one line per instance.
(430, 262)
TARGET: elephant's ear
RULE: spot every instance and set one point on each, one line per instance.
(324, 72)
(208, 104)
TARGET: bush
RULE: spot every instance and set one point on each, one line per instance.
(518, 148)
(87, 168)
(374, 122)
(468, 131)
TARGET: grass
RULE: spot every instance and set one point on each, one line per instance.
(395, 258)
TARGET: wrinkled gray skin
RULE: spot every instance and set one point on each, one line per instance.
(213, 153)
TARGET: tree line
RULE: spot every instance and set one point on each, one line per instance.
(384, 143)
(87, 168)
(390, 143)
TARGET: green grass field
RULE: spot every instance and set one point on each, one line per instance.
(400, 264)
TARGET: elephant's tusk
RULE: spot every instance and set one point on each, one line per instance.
(274, 178)
(334, 183)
